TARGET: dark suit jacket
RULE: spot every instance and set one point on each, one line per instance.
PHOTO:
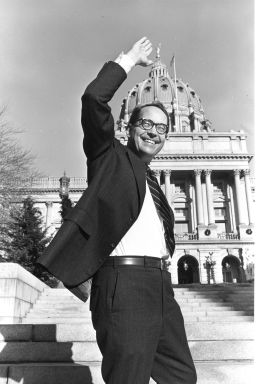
(115, 193)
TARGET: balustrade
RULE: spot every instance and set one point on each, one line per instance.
(186, 236)
(50, 182)
(228, 236)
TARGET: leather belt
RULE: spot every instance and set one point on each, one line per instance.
(143, 261)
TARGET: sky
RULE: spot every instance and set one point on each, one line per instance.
(50, 50)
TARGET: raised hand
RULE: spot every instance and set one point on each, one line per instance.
(140, 51)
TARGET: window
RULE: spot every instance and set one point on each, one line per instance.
(180, 188)
(220, 213)
(181, 220)
(220, 219)
(221, 226)
(181, 227)
(181, 212)
(218, 187)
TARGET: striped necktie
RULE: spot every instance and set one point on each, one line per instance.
(163, 209)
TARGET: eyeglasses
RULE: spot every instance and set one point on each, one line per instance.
(149, 124)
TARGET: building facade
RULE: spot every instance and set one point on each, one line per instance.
(205, 175)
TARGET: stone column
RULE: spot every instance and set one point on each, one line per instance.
(167, 182)
(248, 195)
(176, 115)
(218, 266)
(202, 269)
(199, 206)
(211, 215)
(49, 205)
(174, 271)
(238, 196)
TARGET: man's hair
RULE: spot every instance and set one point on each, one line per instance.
(136, 112)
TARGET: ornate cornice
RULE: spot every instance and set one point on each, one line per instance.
(202, 157)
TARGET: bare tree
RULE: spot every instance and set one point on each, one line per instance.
(16, 167)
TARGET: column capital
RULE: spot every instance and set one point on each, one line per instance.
(246, 172)
(197, 172)
(236, 172)
(156, 172)
(207, 172)
(49, 203)
(167, 172)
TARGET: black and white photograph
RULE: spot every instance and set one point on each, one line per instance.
(127, 191)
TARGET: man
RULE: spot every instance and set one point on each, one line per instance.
(121, 233)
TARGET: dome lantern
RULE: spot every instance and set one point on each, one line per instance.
(158, 68)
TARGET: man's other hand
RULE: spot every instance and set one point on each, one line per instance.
(140, 51)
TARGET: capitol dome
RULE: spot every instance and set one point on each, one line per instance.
(180, 100)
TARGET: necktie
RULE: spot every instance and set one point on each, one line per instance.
(163, 209)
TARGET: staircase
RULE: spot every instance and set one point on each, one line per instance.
(56, 342)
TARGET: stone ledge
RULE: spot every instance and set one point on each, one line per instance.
(19, 290)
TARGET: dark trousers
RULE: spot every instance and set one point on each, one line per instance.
(139, 327)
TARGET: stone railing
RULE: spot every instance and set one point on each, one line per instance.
(185, 236)
(51, 183)
(19, 290)
(78, 182)
(228, 236)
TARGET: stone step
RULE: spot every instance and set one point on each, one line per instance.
(88, 373)
(85, 332)
(215, 289)
(214, 297)
(44, 307)
(176, 292)
(24, 352)
(220, 304)
(215, 301)
(181, 299)
(59, 304)
(213, 293)
(195, 309)
(202, 289)
(201, 312)
(58, 293)
(187, 319)
(58, 320)
(215, 286)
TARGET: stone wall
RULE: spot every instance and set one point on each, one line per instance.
(19, 289)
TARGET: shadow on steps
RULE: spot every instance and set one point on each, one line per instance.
(37, 366)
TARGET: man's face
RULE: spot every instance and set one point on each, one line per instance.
(147, 143)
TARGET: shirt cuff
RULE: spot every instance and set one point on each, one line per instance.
(125, 62)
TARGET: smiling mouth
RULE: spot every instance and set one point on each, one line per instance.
(150, 141)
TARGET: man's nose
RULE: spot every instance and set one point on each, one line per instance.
(152, 132)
